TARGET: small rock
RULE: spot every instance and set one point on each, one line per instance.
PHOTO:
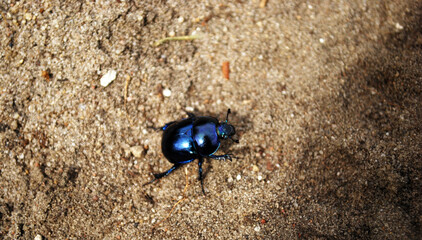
(399, 26)
(38, 237)
(137, 151)
(107, 78)
(166, 92)
(28, 16)
(14, 125)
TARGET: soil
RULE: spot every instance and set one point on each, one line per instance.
(325, 97)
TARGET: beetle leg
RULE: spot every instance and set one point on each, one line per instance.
(163, 174)
(222, 157)
(201, 178)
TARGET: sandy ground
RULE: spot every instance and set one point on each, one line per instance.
(325, 95)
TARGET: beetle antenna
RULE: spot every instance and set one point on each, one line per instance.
(234, 140)
(227, 117)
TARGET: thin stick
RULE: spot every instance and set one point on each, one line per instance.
(176, 38)
(187, 182)
(125, 95)
(262, 3)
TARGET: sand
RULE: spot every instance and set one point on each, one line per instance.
(325, 97)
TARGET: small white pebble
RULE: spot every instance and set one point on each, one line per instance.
(38, 237)
(172, 34)
(166, 92)
(189, 109)
(28, 16)
(310, 6)
(107, 78)
(387, 134)
(259, 177)
(399, 26)
(321, 40)
(153, 220)
(238, 177)
(180, 19)
(137, 151)
(257, 228)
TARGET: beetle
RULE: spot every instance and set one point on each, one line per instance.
(194, 138)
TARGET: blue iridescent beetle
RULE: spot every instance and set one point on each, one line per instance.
(194, 138)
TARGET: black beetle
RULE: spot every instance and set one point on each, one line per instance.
(194, 138)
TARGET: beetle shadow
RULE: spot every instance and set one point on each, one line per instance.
(337, 193)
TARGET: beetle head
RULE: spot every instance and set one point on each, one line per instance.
(225, 130)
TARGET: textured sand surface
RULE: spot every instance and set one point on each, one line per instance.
(326, 100)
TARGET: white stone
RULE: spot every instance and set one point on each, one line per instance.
(399, 26)
(137, 151)
(107, 78)
(166, 92)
